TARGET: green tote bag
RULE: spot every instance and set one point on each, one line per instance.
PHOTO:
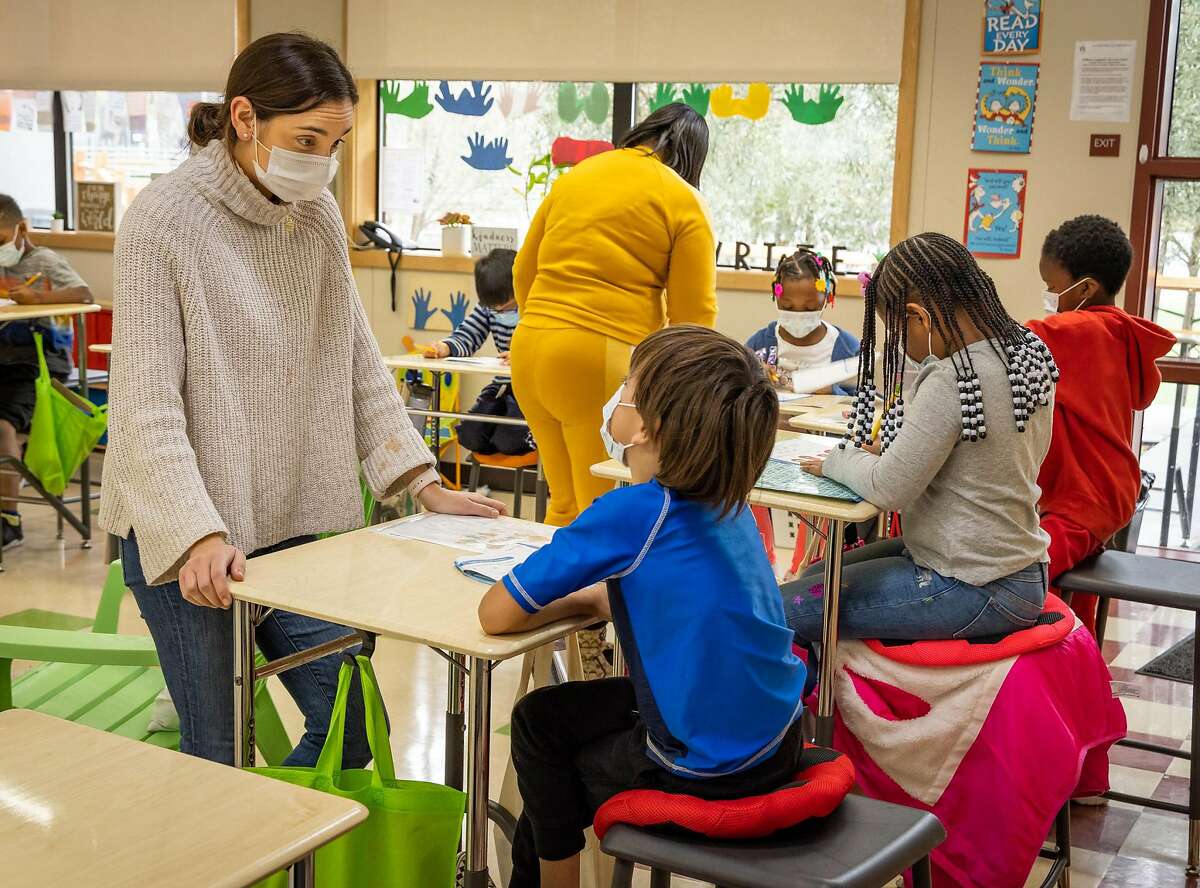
(64, 429)
(410, 837)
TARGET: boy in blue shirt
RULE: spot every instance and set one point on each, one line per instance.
(712, 704)
(496, 314)
(804, 284)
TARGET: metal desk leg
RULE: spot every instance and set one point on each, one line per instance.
(435, 422)
(478, 748)
(304, 873)
(542, 494)
(455, 692)
(829, 632)
(243, 684)
(1193, 851)
(85, 471)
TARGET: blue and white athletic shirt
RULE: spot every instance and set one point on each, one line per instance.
(469, 336)
(699, 616)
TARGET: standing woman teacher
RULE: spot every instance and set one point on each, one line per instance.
(247, 388)
(611, 236)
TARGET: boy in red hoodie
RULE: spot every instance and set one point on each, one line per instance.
(1090, 478)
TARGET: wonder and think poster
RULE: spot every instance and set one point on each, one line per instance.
(1004, 107)
(1012, 27)
(995, 213)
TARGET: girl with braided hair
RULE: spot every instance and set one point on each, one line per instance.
(969, 403)
(804, 285)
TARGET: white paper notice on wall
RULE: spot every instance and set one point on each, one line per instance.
(24, 116)
(1102, 88)
(73, 119)
(403, 191)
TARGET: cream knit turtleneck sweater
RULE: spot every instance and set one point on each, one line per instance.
(246, 387)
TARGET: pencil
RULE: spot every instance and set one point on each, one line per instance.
(32, 278)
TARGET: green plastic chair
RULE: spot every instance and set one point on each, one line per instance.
(108, 681)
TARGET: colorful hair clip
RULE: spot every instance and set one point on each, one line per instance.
(777, 289)
(864, 278)
(819, 283)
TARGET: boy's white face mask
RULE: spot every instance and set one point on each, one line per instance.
(1050, 299)
(612, 446)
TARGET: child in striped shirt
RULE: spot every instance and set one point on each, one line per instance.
(496, 314)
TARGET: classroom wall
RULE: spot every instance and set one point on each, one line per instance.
(1063, 180)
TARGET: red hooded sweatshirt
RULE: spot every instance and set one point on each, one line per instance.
(1106, 360)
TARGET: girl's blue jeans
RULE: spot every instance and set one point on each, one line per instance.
(885, 595)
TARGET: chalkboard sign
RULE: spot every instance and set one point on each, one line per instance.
(95, 206)
(484, 240)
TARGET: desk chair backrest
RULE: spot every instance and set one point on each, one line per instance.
(109, 611)
(1126, 539)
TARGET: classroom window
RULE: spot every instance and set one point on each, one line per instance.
(1171, 452)
(1184, 138)
(794, 163)
(127, 137)
(27, 152)
(484, 148)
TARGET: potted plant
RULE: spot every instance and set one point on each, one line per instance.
(58, 221)
(456, 234)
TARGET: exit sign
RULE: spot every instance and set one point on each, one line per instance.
(1104, 145)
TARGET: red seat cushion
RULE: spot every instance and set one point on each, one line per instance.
(1055, 623)
(824, 778)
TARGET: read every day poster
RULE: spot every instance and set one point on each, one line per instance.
(1004, 107)
(1012, 27)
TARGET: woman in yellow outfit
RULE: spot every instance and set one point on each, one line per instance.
(611, 236)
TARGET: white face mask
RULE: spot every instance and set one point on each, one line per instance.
(615, 448)
(799, 323)
(913, 368)
(1050, 298)
(10, 254)
(292, 176)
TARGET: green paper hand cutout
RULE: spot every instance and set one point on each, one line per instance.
(415, 105)
(569, 105)
(823, 110)
(696, 97)
(597, 104)
(663, 96)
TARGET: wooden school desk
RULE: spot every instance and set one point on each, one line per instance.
(103, 348)
(839, 513)
(79, 806)
(433, 417)
(401, 589)
(810, 403)
(76, 310)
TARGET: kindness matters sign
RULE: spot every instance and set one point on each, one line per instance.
(1012, 27)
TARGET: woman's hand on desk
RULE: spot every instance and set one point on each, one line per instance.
(204, 577)
(436, 498)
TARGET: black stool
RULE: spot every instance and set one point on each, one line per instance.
(863, 844)
(1166, 583)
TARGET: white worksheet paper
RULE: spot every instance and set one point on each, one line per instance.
(464, 532)
(494, 363)
(795, 448)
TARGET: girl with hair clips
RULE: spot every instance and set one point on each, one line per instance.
(804, 285)
(970, 403)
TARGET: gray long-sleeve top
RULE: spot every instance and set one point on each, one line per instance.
(969, 508)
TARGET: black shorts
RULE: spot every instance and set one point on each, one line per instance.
(17, 394)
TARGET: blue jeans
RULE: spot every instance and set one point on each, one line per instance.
(195, 650)
(886, 595)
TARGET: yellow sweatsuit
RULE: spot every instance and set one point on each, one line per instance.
(613, 234)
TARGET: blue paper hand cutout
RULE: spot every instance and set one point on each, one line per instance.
(492, 155)
(474, 102)
(421, 310)
(457, 313)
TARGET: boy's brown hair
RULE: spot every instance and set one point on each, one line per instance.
(707, 403)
